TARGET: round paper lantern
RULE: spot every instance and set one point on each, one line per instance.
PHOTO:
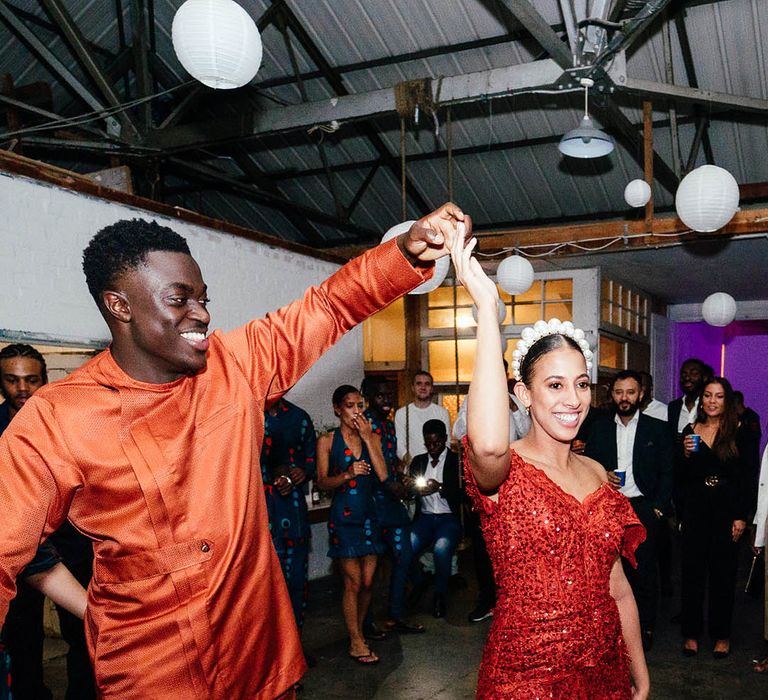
(515, 275)
(719, 309)
(502, 312)
(637, 193)
(707, 198)
(217, 42)
(442, 265)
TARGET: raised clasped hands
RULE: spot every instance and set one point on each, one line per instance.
(469, 272)
(434, 235)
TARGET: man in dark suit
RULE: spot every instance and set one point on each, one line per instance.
(638, 451)
(437, 522)
(682, 411)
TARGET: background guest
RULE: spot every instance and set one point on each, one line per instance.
(287, 463)
(349, 463)
(650, 406)
(438, 506)
(410, 419)
(758, 546)
(716, 503)
(391, 513)
(640, 449)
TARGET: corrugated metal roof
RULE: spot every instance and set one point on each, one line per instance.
(525, 182)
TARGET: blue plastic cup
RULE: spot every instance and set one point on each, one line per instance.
(696, 442)
(622, 477)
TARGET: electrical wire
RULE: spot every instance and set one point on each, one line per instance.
(604, 241)
(94, 115)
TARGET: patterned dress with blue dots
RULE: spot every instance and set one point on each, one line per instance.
(289, 440)
(353, 530)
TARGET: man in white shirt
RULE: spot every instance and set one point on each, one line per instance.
(650, 406)
(639, 451)
(438, 506)
(410, 419)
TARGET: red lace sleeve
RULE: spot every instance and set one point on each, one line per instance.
(634, 532)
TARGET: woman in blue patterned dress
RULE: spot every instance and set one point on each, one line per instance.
(349, 463)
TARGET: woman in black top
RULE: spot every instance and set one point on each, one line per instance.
(716, 486)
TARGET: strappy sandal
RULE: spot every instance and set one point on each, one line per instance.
(369, 659)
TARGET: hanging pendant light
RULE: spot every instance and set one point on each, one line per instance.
(586, 141)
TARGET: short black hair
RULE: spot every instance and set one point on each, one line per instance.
(369, 384)
(434, 426)
(24, 350)
(628, 374)
(341, 391)
(694, 361)
(123, 246)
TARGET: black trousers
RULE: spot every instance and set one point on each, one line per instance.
(23, 636)
(486, 585)
(645, 578)
(81, 684)
(709, 557)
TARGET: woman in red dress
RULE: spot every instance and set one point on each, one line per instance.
(565, 624)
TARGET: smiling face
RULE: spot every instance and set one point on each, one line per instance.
(350, 407)
(558, 393)
(713, 400)
(626, 395)
(158, 317)
(20, 377)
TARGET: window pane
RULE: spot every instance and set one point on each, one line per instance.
(384, 335)
(605, 311)
(560, 310)
(443, 296)
(611, 353)
(527, 314)
(533, 294)
(616, 293)
(558, 289)
(443, 318)
(442, 362)
(605, 289)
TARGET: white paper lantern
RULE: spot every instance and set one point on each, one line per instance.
(637, 193)
(217, 42)
(515, 275)
(442, 265)
(707, 198)
(719, 309)
(502, 311)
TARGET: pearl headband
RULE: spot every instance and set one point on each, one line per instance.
(540, 329)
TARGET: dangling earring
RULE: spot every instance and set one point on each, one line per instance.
(527, 410)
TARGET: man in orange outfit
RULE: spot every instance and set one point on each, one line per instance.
(152, 450)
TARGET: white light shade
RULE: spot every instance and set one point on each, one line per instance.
(515, 275)
(707, 198)
(719, 309)
(442, 265)
(637, 193)
(217, 42)
(502, 311)
(586, 141)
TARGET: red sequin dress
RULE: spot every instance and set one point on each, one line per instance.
(556, 631)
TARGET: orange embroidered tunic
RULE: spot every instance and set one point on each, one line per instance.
(187, 600)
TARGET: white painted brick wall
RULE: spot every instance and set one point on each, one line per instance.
(43, 230)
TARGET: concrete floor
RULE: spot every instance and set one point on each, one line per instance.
(442, 664)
